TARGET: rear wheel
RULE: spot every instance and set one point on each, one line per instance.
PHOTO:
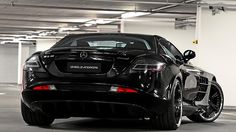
(213, 110)
(35, 118)
(171, 120)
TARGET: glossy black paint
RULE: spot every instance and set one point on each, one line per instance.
(88, 94)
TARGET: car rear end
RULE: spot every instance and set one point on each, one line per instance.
(95, 76)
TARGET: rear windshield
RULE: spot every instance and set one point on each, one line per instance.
(106, 42)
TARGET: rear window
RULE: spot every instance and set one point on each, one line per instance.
(106, 42)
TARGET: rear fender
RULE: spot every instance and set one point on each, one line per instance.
(172, 83)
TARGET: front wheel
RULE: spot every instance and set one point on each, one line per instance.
(171, 119)
(212, 111)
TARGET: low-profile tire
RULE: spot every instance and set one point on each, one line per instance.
(216, 103)
(171, 120)
(35, 118)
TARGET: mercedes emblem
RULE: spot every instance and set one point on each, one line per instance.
(83, 54)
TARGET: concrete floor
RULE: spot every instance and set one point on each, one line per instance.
(11, 121)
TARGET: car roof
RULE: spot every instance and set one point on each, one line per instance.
(125, 34)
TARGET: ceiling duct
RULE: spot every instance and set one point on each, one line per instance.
(184, 23)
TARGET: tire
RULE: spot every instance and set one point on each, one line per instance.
(202, 117)
(171, 120)
(35, 118)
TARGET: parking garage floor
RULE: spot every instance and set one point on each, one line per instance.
(11, 121)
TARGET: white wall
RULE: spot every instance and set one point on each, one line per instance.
(182, 39)
(44, 44)
(8, 63)
(217, 49)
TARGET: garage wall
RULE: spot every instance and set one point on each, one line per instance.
(8, 63)
(217, 49)
(182, 39)
(44, 44)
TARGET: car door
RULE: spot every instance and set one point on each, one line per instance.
(189, 73)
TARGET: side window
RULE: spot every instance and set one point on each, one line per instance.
(171, 49)
(178, 55)
(168, 52)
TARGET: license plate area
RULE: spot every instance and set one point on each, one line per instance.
(83, 67)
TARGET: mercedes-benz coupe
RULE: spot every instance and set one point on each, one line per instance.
(118, 75)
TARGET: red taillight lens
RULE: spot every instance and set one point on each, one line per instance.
(41, 88)
(125, 90)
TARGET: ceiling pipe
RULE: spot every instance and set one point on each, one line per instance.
(141, 2)
(185, 2)
(161, 9)
(63, 7)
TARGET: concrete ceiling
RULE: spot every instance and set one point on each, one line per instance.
(32, 19)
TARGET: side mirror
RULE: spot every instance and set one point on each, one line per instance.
(188, 55)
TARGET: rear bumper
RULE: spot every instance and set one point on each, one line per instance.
(63, 104)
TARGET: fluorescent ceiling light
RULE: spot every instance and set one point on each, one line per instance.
(88, 24)
(62, 29)
(134, 14)
(72, 19)
(102, 21)
(91, 22)
(32, 36)
(99, 21)
(43, 34)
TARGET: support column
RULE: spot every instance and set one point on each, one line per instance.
(198, 24)
(19, 67)
(122, 26)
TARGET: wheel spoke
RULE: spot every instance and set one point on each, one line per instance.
(209, 112)
(213, 109)
(214, 95)
(178, 104)
(214, 106)
(212, 114)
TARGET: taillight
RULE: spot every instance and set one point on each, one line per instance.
(44, 87)
(122, 90)
(126, 90)
(33, 62)
(160, 66)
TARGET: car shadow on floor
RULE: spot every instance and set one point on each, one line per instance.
(90, 124)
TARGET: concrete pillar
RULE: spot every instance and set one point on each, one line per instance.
(122, 26)
(198, 23)
(19, 67)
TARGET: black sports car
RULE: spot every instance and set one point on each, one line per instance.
(118, 76)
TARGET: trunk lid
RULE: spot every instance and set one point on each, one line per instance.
(85, 62)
